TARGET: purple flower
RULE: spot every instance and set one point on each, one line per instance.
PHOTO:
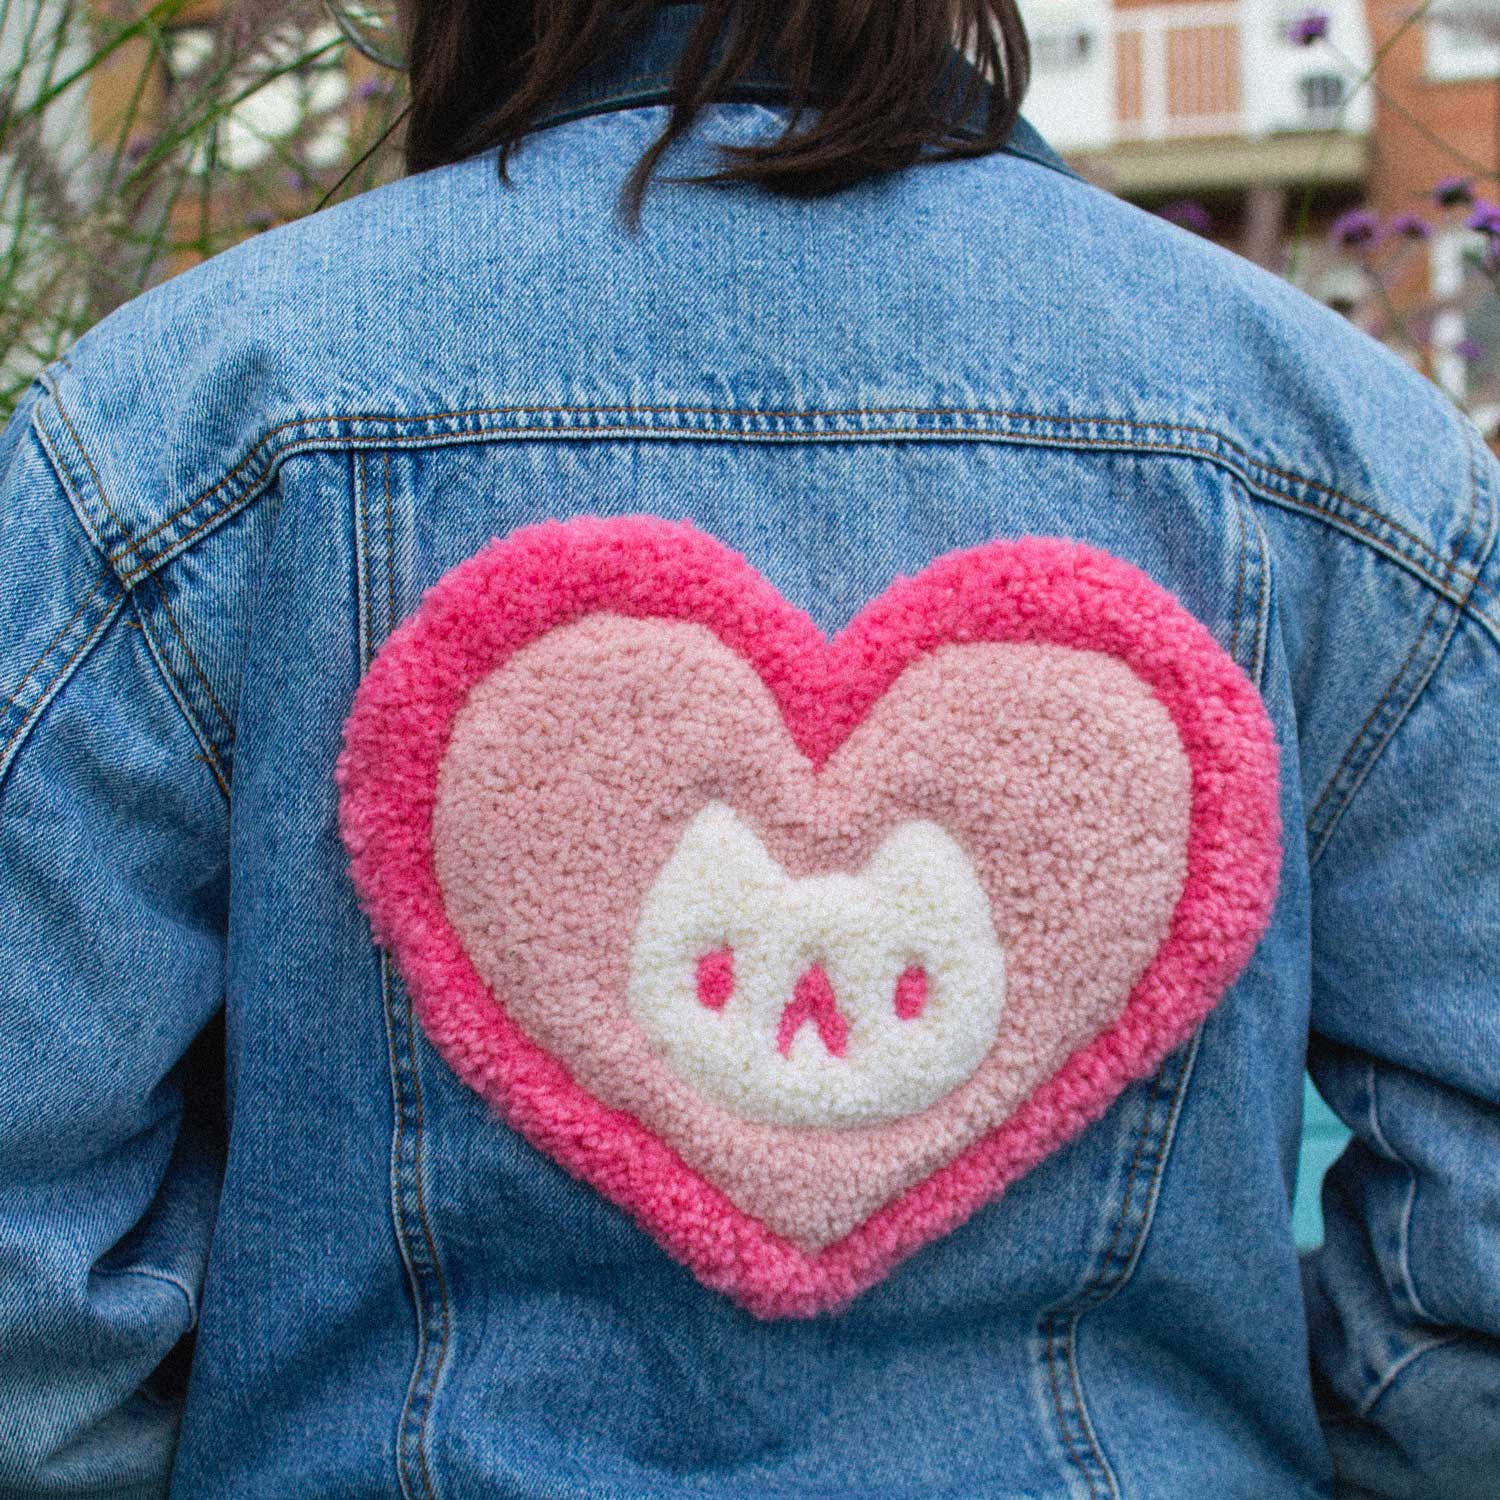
(372, 88)
(1354, 229)
(1408, 227)
(1485, 218)
(1189, 215)
(1308, 28)
(1454, 192)
(295, 181)
(1469, 349)
(258, 221)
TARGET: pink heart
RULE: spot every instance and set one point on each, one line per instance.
(643, 843)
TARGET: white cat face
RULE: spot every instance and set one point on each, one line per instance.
(834, 1000)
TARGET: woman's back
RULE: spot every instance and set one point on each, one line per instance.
(234, 491)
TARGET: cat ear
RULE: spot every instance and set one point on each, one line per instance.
(711, 881)
(929, 887)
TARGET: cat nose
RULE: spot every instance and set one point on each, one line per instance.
(813, 1000)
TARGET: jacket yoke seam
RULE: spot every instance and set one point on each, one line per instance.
(1268, 481)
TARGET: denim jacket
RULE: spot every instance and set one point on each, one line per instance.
(262, 1233)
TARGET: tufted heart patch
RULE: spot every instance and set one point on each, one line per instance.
(800, 950)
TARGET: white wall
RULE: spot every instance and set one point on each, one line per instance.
(1275, 66)
(1072, 94)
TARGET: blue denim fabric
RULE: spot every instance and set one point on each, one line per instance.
(217, 1117)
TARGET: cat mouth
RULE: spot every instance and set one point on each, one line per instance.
(813, 1002)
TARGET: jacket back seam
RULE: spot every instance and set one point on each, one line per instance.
(1058, 1324)
(416, 1239)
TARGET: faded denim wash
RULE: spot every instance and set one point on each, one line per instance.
(217, 1117)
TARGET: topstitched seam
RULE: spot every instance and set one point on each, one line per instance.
(1360, 745)
(420, 1371)
(1356, 744)
(192, 660)
(437, 1267)
(57, 677)
(1275, 497)
(1239, 588)
(390, 550)
(51, 645)
(124, 531)
(93, 472)
(209, 755)
(1060, 1322)
(1126, 423)
(1049, 1336)
(397, 1163)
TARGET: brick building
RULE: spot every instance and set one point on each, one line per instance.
(1219, 102)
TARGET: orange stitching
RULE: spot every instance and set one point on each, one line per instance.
(434, 1260)
(390, 550)
(57, 677)
(1390, 692)
(1239, 588)
(1074, 1451)
(1364, 729)
(161, 594)
(1083, 1414)
(1135, 1162)
(47, 649)
(774, 413)
(362, 554)
(192, 660)
(124, 530)
(1089, 1296)
(432, 1254)
(1422, 571)
(400, 1135)
(1380, 706)
(212, 763)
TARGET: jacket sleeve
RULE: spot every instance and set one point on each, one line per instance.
(112, 880)
(1404, 1296)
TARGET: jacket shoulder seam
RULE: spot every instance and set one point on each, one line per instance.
(1421, 664)
(212, 756)
(92, 617)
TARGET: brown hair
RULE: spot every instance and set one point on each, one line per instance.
(873, 85)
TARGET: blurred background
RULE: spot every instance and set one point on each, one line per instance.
(1352, 147)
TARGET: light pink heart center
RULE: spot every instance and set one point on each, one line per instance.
(817, 986)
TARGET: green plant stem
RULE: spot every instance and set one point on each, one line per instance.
(1304, 211)
(163, 11)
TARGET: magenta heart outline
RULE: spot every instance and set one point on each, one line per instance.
(1037, 590)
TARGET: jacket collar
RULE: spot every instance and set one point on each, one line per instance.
(641, 75)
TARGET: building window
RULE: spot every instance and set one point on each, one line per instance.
(1462, 40)
(1344, 287)
(1321, 96)
(1059, 51)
